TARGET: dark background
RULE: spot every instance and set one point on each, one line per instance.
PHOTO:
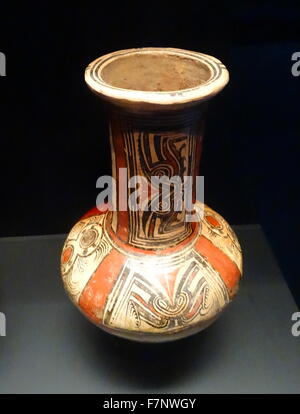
(54, 138)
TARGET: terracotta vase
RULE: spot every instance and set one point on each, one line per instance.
(143, 274)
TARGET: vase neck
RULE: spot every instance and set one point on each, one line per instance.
(157, 144)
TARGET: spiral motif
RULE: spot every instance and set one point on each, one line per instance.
(165, 309)
(163, 170)
(88, 238)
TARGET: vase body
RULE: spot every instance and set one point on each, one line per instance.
(144, 273)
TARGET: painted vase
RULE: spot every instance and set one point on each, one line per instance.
(142, 273)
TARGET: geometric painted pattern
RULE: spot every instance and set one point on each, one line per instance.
(168, 292)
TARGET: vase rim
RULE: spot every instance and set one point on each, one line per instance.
(156, 76)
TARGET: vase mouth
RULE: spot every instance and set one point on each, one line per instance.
(156, 76)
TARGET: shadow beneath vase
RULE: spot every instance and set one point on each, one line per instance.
(146, 366)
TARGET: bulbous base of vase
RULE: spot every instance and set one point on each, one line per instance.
(151, 295)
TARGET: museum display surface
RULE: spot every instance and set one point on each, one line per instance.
(51, 348)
